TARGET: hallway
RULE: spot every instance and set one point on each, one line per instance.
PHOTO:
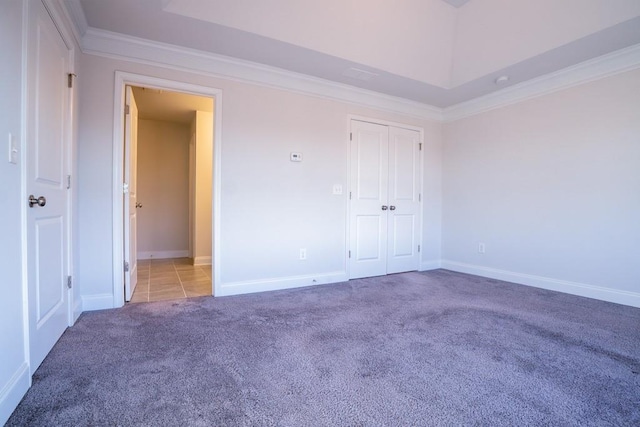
(167, 279)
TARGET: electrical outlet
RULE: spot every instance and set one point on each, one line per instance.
(481, 248)
(303, 253)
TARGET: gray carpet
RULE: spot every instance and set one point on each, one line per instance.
(434, 348)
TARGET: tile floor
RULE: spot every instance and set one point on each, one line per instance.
(175, 278)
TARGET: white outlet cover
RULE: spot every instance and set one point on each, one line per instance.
(296, 157)
(337, 189)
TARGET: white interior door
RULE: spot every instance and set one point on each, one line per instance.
(385, 206)
(369, 193)
(46, 183)
(404, 204)
(130, 194)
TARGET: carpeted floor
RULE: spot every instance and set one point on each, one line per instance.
(419, 349)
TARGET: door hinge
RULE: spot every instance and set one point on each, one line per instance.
(350, 195)
(126, 266)
(70, 77)
(350, 136)
(419, 197)
(420, 145)
(418, 248)
(68, 182)
(349, 254)
(126, 110)
(69, 282)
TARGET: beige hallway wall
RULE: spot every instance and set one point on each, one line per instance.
(163, 189)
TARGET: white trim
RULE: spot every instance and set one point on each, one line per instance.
(603, 66)
(133, 49)
(13, 391)
(202, 260)
(65, 21)
(163, 254)
(281, 283)
(121, 80)
(568, 287)
(432, 264)
(98, 302)
(77, 310)
(77, 16)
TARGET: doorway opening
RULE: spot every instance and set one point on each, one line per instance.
(170, 178)
(168, 206)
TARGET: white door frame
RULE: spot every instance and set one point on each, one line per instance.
(122, 79)
(351, 117)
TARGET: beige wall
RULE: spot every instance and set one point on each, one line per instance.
(163, 189)
(202, 178)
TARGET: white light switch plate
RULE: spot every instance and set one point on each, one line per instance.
(296, 157)
(337, 189)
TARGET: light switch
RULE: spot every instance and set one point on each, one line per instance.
(13, 149)
(296, 157)
(337, 189)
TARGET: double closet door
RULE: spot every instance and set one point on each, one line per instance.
(385, 200)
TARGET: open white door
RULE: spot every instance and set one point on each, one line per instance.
(130, 194)
(46, 183)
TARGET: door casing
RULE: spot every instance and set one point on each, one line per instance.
(122, 79)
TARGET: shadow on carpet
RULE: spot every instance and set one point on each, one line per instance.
(433, 348)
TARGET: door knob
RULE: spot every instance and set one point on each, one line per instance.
(385, 207)
(40, 201)
(392, 208)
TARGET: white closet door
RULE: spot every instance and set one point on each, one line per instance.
(404, 203)
(369, 192)
(385, 200)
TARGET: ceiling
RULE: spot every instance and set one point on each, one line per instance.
(154, 104)
(437, 52)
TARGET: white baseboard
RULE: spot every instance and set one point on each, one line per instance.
(568, 287)
(202, 260)
(432, 264)
(163, 254)
(13, 391)
(97, 302)
(77, 309)
(280, 283)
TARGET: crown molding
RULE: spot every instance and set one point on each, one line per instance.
(622, 60)
(133, 49)
(75, 11)
(64, 22)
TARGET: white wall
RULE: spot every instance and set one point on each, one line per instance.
(552, 187)
(203, 187)
(14, 370)
(163, 189)
(271, 207)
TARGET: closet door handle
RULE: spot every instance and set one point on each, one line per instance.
(392, 208)
(385, 207)
(40, 201)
